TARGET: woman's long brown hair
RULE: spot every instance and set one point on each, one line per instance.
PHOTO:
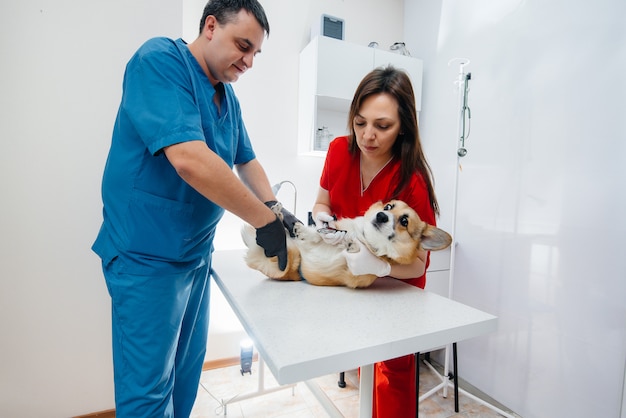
(408, 147)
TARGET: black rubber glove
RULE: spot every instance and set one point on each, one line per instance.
(289, 219)
(272, 239)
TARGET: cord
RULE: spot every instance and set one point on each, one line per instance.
(222, 404)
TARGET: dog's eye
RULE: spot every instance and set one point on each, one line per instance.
(404, 220)
(388, 206)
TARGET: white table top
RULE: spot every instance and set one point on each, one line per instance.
(304, 331)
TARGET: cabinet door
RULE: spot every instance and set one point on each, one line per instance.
(341, 66)
(330, 71)
(413, 66)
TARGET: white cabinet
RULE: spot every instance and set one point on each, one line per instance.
(330, 71)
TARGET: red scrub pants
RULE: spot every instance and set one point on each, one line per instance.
(394, 388)
(394, 382)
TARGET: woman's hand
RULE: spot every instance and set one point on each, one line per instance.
(326, 227)
(365, 262)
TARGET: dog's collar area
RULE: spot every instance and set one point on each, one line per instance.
(368, 246)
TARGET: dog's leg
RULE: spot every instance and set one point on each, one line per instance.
(255, 256)
(362, 281)
(302, 232)
(351, 244)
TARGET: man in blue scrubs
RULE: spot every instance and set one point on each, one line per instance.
(167, 181)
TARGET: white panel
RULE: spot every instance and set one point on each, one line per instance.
(623, 415)
(437, 282)
(542, 199)
(341, 66)
(439, 260)
(307, 86)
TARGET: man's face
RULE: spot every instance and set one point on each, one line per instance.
(232, 46)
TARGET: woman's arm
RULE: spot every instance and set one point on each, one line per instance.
(322, 203)
(410, 271)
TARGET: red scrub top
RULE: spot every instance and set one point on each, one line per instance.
(341, 176)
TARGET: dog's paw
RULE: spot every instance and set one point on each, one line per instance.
(298, 230)
(306, 234)
(351, 245)
(302, 232)
(277, 209)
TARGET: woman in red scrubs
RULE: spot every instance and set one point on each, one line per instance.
(381, 159)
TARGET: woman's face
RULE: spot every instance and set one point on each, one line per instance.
(377, 125)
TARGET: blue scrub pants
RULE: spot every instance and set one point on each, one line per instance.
(160, 327)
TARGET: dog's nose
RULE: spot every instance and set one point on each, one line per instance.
(381, 217)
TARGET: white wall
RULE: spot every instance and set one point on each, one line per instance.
(61, 81)
(541, 193)
(63, 63)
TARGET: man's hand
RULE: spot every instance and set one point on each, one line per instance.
(272, 239)
(289, 219)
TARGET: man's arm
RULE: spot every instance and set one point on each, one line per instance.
(207, 173)
(253, 175)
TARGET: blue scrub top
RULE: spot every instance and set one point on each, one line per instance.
(154, 222)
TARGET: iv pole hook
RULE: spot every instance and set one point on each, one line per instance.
(462, 84)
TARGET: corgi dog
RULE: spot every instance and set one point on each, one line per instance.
(392, 231)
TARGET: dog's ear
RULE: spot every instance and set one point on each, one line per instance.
(434, 239)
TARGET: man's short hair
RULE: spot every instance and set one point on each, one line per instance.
(225, 12)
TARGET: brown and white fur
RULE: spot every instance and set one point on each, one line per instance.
(392, 231)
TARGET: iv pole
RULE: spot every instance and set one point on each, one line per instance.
(462, 83)
(463, 89)
(463, 86)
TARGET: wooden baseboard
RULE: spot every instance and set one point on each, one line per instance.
(225, 362)
(208, 365)
(110, 413)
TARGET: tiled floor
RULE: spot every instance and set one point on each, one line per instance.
(218, 386)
